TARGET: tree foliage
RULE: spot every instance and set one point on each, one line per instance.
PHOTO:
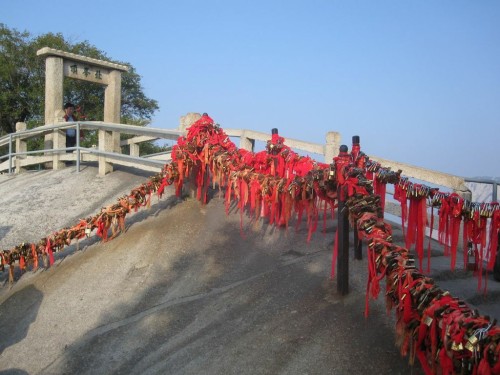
(22, 82)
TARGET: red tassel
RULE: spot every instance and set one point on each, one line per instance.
(243, 193)
(373, 282)
(423, 361)
(180, 179)
(228, 195)
(408, 312)
(444, 222)
(162, 187)
(455, 231)
(484, 366)
(281, 167)
(445, 362)
(283, 219)
(34, 255)
(417, 219)
(494, 231)
(430, 239)
(263, 208)
(456, 205)
(48, 250)
(274, 203)
(254, 195)
(400, 196)
(299, 208)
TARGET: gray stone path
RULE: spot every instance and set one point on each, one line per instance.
(183, 292)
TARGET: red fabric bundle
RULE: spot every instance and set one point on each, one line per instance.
(417, 221)
(400, 196)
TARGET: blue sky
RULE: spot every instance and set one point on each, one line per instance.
(418, 81)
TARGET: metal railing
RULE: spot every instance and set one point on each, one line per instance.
(105, 153)
(494, 183)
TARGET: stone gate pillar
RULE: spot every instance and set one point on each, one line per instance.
(112, 104)
(54, 79)
(60, 64)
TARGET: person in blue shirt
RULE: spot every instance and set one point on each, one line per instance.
(70, 116)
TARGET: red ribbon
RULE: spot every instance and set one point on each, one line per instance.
(48, 250)
(417, 221)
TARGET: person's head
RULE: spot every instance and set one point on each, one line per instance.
(69, 108)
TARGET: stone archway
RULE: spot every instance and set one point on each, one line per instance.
(60, 64)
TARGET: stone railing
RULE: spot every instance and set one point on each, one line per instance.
(327, 150)
(331, 147)
(107, 151)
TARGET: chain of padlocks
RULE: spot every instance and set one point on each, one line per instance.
(441, 331)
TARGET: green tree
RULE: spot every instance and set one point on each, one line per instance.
(22, 83)
(17, 80)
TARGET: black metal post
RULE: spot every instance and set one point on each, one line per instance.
(343, 245)
(358, 244)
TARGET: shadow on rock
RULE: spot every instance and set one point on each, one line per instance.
(16, 315)
(224, 304)
(13, 371)
(4, 230)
